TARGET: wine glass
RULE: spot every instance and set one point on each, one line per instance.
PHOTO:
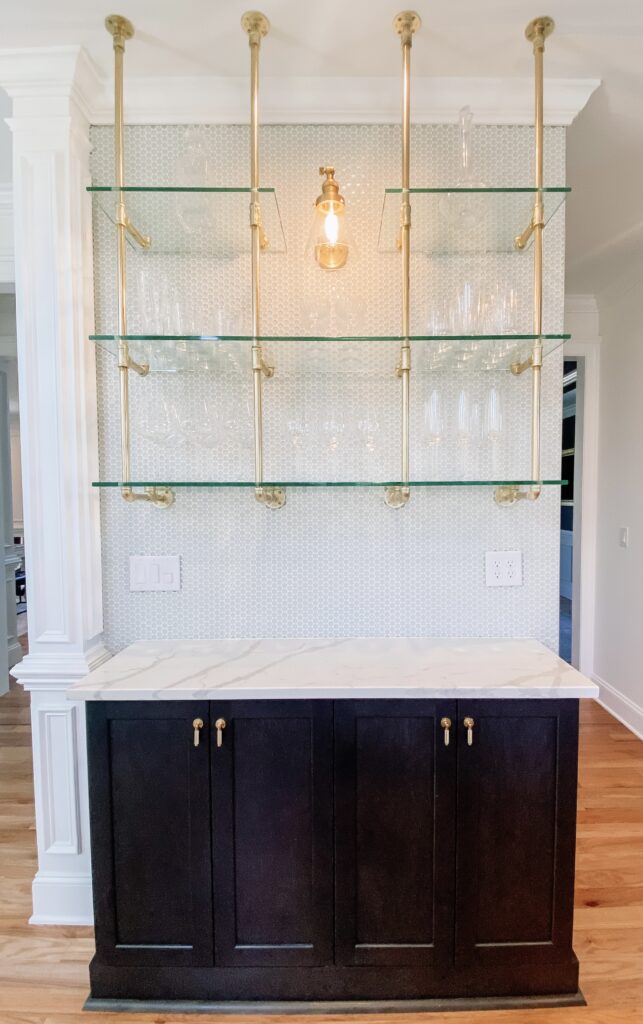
(493, 415)
(159, 423)
(433, 428)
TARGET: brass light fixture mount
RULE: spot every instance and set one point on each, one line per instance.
(331, 252)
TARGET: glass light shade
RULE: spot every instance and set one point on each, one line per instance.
(329, 239)
(329, 235)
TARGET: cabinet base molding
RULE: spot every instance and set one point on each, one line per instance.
(513, 985)
(354, 1006)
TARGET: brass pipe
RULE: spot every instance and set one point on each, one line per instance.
(121, 30)
(256, 25)
(405, 25)
(536, 32)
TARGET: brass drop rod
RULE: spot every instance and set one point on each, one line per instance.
(536, 33)
(121, 30)
(405, 24)
(256, 26)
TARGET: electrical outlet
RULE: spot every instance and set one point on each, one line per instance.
(503, 568)
(154, 572)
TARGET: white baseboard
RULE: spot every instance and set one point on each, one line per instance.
(627, 711)
(59, 899)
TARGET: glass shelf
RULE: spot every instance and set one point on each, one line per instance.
(458, 221)
(190, 351)
(212, 221)
(329, 483)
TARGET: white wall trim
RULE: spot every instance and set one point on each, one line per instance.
(334, 100)
(621, 707)
(62, 899)
(35, 72)
(581, 318)
(52, 92)
(7, 267)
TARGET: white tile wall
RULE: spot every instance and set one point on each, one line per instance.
(332, 562)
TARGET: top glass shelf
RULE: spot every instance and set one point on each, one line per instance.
(214, 221)
(460, 221)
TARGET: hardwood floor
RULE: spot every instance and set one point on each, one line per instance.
(43, 971)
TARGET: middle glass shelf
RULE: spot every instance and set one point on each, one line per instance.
(174, 352)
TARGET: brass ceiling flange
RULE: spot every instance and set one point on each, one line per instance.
(119, 27)
(538, 30)
(406, 23)
(255, 24)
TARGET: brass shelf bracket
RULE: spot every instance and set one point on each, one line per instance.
(405, 24)
(256, 26)
(160, 497)
(536, 32)
(121, 30)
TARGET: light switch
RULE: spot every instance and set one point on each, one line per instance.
(624, 536)
(154, 572)
(503, 568)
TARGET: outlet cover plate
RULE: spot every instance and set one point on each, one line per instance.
(503, 568)
(154, 572)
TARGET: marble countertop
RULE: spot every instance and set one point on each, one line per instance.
(332, 669)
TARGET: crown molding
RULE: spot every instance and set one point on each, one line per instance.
(36, 75)
(68, 72)
(202, 100)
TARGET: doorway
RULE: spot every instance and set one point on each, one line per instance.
(570, 472)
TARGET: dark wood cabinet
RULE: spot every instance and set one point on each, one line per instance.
(394, 835)
(150, 825)
(272, 799)
(333, 850)
(516, 833)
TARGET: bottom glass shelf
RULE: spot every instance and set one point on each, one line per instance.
(329, 483)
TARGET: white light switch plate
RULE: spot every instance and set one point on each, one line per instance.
(503, 568)
(154, 572)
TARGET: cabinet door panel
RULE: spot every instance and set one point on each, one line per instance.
(272, 801)
(149, 788)
(395, 814)
(516, 831)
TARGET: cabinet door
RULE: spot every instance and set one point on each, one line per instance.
(395, 822)
(272, 840)
(516, 831)
(150, 825)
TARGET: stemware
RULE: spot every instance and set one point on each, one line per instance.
(159, 423)
(433, 427)
(192, 171)
(464, 211)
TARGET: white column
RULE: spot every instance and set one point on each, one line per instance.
(52, 91)
(11, 556)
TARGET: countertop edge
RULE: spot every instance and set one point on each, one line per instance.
(345, 693)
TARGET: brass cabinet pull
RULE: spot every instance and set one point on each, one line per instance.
(469, 724)
(220, 725)
(446, 725)
(197, 725)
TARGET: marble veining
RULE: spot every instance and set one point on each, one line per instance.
(333, 669)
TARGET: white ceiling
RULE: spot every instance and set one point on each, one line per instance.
(459, 37)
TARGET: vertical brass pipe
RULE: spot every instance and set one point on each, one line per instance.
(536, 32)
(256, 25)
(405, 24)
(121, 30)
